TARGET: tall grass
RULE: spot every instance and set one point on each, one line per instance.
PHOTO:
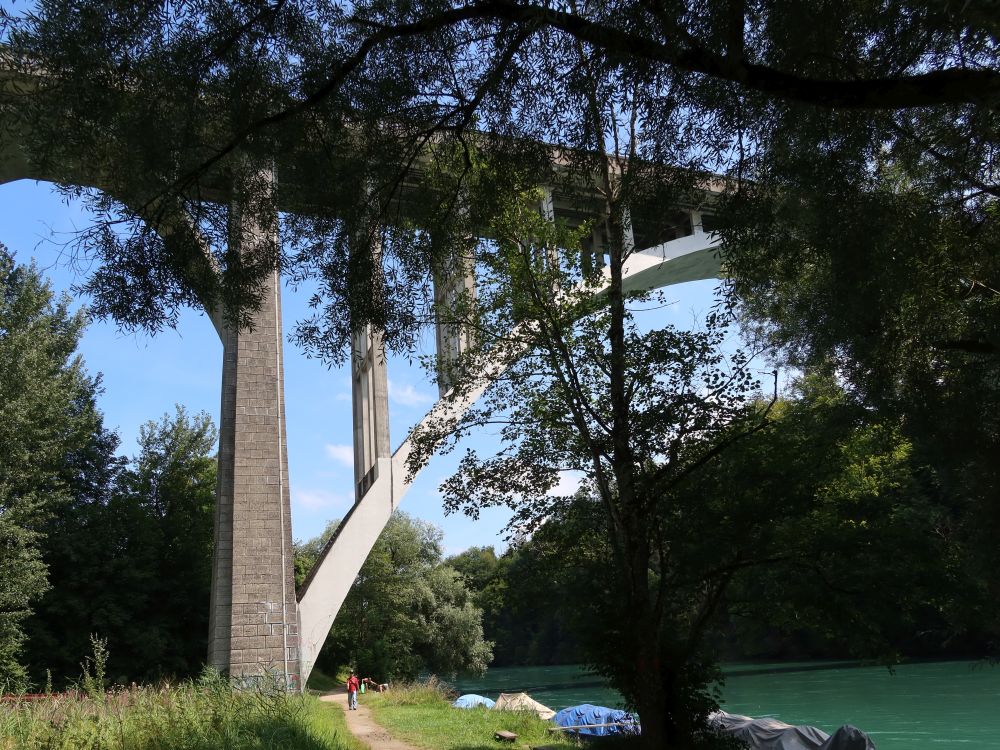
(205, 715)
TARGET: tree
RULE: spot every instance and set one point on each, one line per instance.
(130, 557)
(47, 416)
(315, 85)
(635, 413)
(526, 604)
(852, 520)
(867, 242)
(406, 613)
(669, 436)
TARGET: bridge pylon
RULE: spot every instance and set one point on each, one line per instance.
(254, 623)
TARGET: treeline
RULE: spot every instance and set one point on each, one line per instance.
(408, 611)
(95, 545)
(886, 561)
(92, 543)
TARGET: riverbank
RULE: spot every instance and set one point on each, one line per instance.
(918, 706)
(422, 715)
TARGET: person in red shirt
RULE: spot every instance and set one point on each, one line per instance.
(352, 691)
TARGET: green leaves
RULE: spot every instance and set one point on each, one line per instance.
(130, 556)
(46, 415)
(407, 612)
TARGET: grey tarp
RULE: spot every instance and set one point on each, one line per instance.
(771, 734)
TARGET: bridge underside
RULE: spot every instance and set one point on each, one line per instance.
(691, 256)
(258, 626)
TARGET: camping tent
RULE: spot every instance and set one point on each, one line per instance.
(522, 702)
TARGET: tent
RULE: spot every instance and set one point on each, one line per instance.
(594, 720)
(522, 702)
(473, 701)
(771, 734)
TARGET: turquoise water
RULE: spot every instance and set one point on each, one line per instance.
(940, 705)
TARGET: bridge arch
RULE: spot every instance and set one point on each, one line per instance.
(258, 622)
(689, 258)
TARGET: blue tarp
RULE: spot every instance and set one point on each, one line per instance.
(587, 715)
(472, 700)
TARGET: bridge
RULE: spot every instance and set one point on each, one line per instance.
(258, 622)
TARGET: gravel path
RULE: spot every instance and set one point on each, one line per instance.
(363, 726)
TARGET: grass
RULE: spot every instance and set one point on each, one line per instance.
(327, 721)
(322, 682)
(422, 715)
(207, 715)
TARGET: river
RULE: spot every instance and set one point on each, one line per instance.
(940, 705)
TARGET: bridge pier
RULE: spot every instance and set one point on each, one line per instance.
(253, 622)
(370, 408)
(454, 287)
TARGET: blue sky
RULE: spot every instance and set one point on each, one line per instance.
(145, 376)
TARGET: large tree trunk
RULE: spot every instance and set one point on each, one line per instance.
(658, 686)
(662, 709)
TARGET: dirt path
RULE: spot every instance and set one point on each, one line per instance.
(363, 726)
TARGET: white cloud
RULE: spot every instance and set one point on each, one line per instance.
(320, 499)
(569, 482)
(407, 395)
(343, 454)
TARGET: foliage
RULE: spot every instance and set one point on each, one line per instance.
(637, 414)
(47, 415)
(314, 85)
(406, 612)
(308, 553)
(525, 603)
(94, 684)
(835, 506)
(191, 715)
(130, 557)
(695, 487)
(321, 682)
(872, 258)
(531, 595)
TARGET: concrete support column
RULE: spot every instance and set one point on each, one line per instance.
(628, 236)
(697, 227)
(592, 251)
(547, 208)
(254, 615)
(370, 401)
(454, 294)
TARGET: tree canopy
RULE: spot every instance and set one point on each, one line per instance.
(352, 104)
(129, 555)
(47, 417)
(406, 613)
(697, 484)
